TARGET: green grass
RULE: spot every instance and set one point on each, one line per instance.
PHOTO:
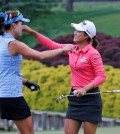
(106, 130)
(105, 15)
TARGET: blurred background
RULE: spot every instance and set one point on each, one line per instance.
(52, 18)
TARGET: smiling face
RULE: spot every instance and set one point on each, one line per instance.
(80, 37)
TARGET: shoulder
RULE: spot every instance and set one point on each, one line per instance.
(94, 55)
(93, 51)
(16, 46)
(16, 43)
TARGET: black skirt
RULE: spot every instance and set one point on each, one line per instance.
(86, 108)
(14, 108)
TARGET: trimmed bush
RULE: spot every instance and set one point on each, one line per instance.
(56, 81)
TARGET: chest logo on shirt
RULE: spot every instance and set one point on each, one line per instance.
(84, 60)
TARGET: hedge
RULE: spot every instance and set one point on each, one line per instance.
(56, 81)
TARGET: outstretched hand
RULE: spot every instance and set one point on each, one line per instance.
(32, 86)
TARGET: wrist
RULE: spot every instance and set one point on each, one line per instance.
(24, 82)
(63, 50)
(86, 89)
(32, 32)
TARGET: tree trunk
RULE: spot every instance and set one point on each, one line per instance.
(69, 5)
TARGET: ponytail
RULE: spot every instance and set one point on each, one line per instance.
(95, 42)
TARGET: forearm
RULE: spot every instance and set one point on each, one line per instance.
(50, 44)
(88, 87)
(43, 39)
(98, 67)
(95, 83)
(34, 33)
(51, 53)
(98, 80)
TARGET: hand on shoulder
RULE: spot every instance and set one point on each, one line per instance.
(67, 48)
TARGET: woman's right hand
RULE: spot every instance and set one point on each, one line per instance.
(27, 29)
(67, 48)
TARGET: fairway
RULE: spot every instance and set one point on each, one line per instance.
(104, 130)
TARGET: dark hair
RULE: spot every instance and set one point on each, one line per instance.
(1, 24)
(95, 42)
(11, 13)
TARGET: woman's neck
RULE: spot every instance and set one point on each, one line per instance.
(10, 32)
(82, 45)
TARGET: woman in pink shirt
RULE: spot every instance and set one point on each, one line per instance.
(87, 73)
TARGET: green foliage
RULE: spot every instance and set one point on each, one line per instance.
(111, 102)
(53, 83)
(29, 5)
(56, 81)
(57, 22)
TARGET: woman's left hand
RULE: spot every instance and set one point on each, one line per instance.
(32, 86)
(80, 92)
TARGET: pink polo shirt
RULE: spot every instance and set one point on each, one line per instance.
(86, 65)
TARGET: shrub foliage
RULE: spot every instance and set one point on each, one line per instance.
(56, 81)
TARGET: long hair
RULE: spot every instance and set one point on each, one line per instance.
(11, 14)
(94, 41)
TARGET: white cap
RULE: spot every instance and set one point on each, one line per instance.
(86, 26)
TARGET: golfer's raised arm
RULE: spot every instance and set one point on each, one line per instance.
(43, 39)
